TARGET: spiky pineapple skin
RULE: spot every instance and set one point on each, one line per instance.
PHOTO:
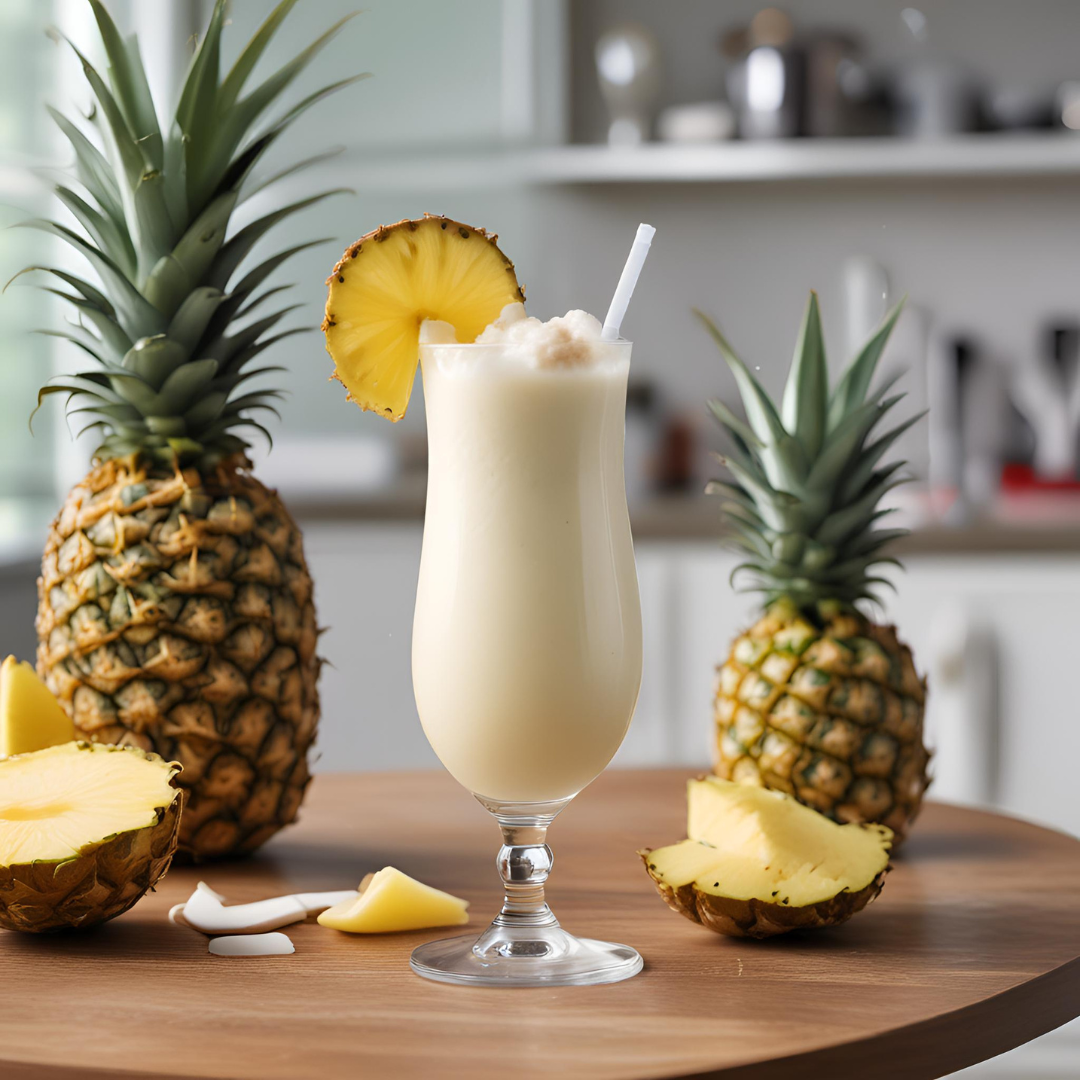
(176, 615)
(831, 713)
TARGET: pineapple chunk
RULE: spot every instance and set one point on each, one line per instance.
(390, 901)
(30, 717)
(389, 282)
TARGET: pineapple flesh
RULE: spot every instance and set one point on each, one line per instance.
(85, 831)
(390, 901)
(757, 863)
(816, 699)
(175, 605)
(30, 716)
(389, 282)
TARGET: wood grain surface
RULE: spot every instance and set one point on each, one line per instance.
(973, 948)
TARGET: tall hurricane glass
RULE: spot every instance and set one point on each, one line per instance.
(527, 632)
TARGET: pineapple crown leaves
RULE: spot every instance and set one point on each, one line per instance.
(154, 210)
(806, 479)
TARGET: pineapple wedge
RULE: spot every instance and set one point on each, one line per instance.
(759, 863)
(30, 717)
(389, 282)
(390, 901)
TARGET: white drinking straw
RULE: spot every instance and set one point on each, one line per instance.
(625, 289)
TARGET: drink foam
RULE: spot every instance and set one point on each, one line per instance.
(568, 341)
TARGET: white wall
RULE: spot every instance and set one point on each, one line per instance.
(992, 258)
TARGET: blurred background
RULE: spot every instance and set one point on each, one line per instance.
(866, 150)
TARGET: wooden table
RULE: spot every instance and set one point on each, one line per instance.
(973, 948)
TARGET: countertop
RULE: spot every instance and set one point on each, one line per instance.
(676, 518)
(697, 518)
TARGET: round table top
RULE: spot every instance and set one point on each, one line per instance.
(972, 948)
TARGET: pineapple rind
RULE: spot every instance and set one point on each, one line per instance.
(760, 918)
(176, 615)
(842, 732)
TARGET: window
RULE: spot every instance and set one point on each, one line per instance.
(27, 67)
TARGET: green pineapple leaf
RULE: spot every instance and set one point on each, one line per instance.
(194, 316)
(254, 184)
(132, 308)
(153, 213)
(872, 454)
(242, 116)
(196, 113)
(128, 79)
(729, 420)
(102, 229)
(86, 290)
(855, 382)
(806, 484)
(806, 392)
(238, 247)
(252, 51)
(760, 410)
(93, 171)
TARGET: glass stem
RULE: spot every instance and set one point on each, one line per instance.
(524, 863)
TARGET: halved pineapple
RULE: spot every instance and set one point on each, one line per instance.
(394, 278)
(30, 717)
(85, 830)
(759, 863)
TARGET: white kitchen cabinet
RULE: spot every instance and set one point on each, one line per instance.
(652, 737)
(365, 588)
(1025, 608)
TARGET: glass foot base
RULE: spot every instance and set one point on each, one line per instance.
(505, 957)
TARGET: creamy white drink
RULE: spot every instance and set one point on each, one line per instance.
(527, 631)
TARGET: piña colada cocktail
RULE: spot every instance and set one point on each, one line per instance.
(527, 630)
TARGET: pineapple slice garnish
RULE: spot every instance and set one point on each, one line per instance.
(389, 282)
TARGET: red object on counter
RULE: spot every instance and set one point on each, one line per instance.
(1016, 479)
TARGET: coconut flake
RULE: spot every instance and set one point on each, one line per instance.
(251, 945)
(207, 912)
(314, 902)
(176, 916)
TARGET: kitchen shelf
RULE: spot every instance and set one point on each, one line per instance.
(988, 155)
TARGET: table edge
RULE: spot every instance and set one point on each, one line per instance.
(992, 1022)
(994, 1025)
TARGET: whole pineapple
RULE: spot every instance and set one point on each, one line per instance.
(816, 699)
(176, 608)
